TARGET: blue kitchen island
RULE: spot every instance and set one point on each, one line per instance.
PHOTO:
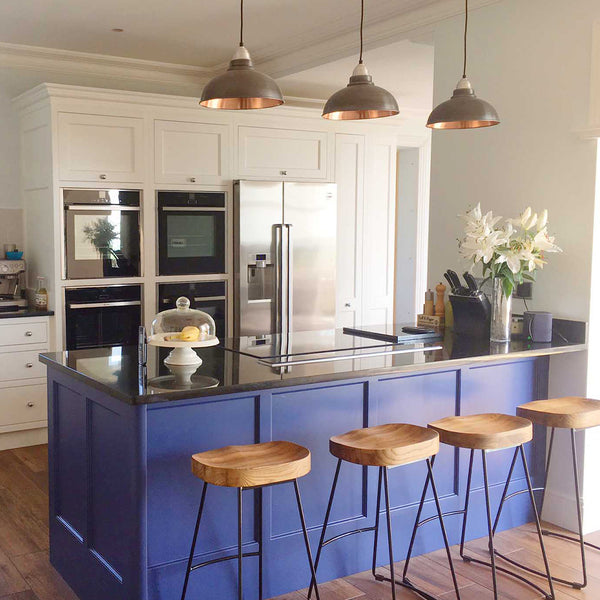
(123, 500)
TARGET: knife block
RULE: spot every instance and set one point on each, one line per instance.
(471, 315)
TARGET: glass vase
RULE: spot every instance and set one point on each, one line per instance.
(501, 309)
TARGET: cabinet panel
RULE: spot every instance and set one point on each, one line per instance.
(15, 334)
(296, 154)
(190, 152)
(100, 148)
(21, 365)
(23, 404)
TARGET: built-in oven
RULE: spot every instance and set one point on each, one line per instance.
(209, 296)
(102, 233)
(97, 317)
(191, 233)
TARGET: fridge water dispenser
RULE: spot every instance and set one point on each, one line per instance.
(261, 277)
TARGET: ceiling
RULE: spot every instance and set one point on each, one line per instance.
(191, 32)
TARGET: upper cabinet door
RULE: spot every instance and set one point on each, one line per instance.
(191, 153)
(282, 153)
(100, 148)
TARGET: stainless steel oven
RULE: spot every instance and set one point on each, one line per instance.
(191, 233)
(96, 317)
(102, 233)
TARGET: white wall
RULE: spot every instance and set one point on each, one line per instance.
(9, 154)
(532, 61)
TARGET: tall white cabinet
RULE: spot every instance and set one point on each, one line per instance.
(89, 138)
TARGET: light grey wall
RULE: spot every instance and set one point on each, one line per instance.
(406, 231)
(532, 61)
(9, 154)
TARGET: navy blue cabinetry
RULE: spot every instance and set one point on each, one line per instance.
(123, 500)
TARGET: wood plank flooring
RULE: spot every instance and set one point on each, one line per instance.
(26, 573)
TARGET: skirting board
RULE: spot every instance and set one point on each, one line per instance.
(561, 509)
(20, 439)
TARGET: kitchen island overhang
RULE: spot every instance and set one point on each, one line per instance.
(123, 500)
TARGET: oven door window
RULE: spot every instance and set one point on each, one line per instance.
(102, 243)
(191, 242)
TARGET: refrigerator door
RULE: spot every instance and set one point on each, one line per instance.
(258, 218)
(310, 217)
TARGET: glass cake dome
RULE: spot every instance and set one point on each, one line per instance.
(183, 324)
(183, 328)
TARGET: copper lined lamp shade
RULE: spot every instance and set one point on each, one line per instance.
(464, 110)
(241, 87)
(361, 98)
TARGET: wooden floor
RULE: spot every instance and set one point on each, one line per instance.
(26, 574)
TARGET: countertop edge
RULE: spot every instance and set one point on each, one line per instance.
(307, 380)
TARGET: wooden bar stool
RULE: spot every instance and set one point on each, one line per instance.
(248, 467)
(562, 413)
(489, 432)
(386, 446)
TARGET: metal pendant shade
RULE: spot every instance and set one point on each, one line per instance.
(361, 98)
(464, 110)
(241, 87)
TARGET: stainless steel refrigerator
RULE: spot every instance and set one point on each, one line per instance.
(284, 257)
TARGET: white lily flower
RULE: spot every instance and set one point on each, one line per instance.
(543, 220)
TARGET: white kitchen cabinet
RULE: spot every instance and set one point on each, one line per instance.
(189, 153)
(100, 148)
(294, 154)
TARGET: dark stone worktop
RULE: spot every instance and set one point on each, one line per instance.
(21, 314)
(115, 371)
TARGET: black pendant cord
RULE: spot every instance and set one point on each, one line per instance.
(241, 22)
(362, 20)
(465, 39)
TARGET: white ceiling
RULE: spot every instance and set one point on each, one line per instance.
(192, 32)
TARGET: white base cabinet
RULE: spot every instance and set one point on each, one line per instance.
(23, 395)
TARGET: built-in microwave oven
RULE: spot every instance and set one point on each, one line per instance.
(191, 233)
(101, 233)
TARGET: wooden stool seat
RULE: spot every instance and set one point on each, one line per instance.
(484, 432)
(252, 465)
(570, 412)
(385, 445)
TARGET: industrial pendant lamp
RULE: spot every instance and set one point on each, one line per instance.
(360, 99)
(241, 87)
(464, 110)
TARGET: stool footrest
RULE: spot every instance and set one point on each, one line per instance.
(511, 573)
(571, 538)
(437, 518)
(407, 584)
(222, 559)
(346, 534)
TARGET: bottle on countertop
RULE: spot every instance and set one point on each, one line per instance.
(428, 308)
(40, 300)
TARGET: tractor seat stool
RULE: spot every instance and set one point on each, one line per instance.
(249, 467)
(488, 432)
(570, 413)
(385, 446)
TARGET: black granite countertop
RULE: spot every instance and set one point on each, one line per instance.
(115, 371)
(20, 314)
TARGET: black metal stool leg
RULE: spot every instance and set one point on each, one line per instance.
(191, 558)
(389, 530)
(306, 540)
(505, 491)
(377, 511)
(489, 520)
(324, 530)
(240, 554)
(466, 508)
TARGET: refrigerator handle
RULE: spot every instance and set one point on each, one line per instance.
(290, 277)
(281, 278)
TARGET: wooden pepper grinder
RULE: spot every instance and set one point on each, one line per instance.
(440, 309)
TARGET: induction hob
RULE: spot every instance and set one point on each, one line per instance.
(303, 347)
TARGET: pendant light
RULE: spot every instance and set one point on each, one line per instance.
(464, 110)
(241, 87)
(360, 99)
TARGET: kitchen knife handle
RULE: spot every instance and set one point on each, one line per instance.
(450, 282)
(473, 287)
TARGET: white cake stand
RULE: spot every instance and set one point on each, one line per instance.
(182, 353)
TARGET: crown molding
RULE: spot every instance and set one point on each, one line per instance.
(37, 58)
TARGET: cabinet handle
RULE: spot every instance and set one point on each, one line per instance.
(192, 180)
(283, 172)
(30, 404)
(347, 305)
(29, 365)
(103, 176)
(28, 333)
